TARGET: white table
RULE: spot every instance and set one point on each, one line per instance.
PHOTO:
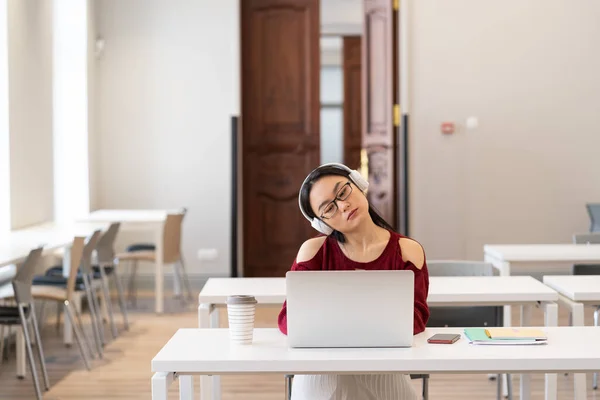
(15, 247)
(443, 291)
(576, 291)
(208, 351)
(149, 220)
(503, 256)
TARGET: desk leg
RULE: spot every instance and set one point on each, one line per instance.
(186, 387)
(577, 319)
(20, 351)
(551, 319)
(206, 319)
(503, 268)
(216, 379)
(159, 270)
(160, 385)
(525, 393)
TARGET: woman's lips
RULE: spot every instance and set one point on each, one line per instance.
(352, 213)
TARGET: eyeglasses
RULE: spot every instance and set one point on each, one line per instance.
(332, 207)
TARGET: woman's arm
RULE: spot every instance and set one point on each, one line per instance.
(306, 260)
(414, 257)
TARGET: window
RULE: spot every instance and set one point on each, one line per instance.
(70, 102)
(5, 224)
(332, 98)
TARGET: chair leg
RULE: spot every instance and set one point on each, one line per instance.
(177, 283)
(1, 343)
(186, 280)
(121, 297)
(93, 313)
(76, 309)
(509, 386)
(25, 326)
(595, 378)
(97, 310)
(288, 386)
(36, 332)
(78, 334)
(132, 295)
(58, 311)
(425, 387)
(499, 387)
(108, 302)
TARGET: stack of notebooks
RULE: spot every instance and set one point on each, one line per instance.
(510, 336)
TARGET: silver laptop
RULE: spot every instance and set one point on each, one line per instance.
(350, 308)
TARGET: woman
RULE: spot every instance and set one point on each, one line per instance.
(333, 199)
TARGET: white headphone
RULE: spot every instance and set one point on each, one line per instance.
(354, 176)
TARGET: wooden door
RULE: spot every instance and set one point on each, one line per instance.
(280, 127)
(352, 61)
(378, 135)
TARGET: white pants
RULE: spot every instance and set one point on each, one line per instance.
(353, 387)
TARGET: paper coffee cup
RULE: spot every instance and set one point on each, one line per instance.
(241, 311)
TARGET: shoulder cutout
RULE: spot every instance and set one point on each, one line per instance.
(310, 248)
(412, 251)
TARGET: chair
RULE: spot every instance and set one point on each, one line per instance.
(466, 316)
(23, 313)
(105, 268)
(588, 269)
(105, 251)
(66, 290)
(151, 247)
(171, 251)
(594, 213)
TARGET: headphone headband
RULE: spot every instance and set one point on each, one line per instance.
(354, 176)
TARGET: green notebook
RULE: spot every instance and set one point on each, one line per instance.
(479, 336)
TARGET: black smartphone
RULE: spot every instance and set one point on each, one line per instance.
(444, 338)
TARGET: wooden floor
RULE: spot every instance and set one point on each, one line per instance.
(124, 373)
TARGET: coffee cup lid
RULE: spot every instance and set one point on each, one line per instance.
(241, 299)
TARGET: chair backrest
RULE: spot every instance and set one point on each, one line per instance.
(172, 238)
(459, 268)
(586, 269)
(586, 238)
(88, 249)
(594, 212)
(463, 316)
(74, 258)
(25, 272)
(105, 248)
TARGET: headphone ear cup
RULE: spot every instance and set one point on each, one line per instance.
(359, 181)
(321, 226)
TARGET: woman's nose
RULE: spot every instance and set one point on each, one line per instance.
(344, 205)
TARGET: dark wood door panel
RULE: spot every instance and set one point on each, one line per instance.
(352, 60)
(280, 127)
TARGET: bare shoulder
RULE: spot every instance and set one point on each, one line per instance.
(412, 251)
(310, 248)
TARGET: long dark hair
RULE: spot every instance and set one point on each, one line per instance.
(332, 170)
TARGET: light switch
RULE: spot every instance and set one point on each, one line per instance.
(472, 123)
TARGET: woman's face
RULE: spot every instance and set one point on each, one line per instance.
(338, 202)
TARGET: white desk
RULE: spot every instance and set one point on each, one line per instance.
(443, 291)
(574, 293)
(150, 220)
(208, 351)
(502, 256)
(15, 247)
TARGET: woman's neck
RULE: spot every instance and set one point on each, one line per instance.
(365, 236)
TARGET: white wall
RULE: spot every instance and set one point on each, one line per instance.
(167, 84)
(30, 111)
(529, 72)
